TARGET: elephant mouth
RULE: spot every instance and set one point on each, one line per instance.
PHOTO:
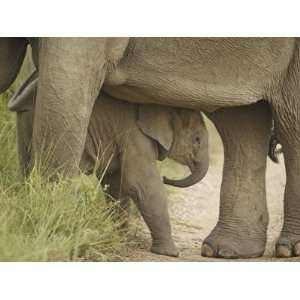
(198, 171)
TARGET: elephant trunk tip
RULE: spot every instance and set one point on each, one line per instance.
(196, 176)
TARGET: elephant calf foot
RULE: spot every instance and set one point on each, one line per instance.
(164, 248)
(288, 245)
(222, 244)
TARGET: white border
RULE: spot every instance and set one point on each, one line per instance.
(149, 281)
(149, 18)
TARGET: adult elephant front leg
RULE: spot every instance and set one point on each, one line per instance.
(71, 72)
(243, 217)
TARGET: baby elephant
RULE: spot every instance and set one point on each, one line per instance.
(124, 141)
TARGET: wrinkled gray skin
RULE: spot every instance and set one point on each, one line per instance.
(224, 77)
(126, 139)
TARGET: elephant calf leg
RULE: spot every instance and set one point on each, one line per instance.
(152, 204)
(113, 182)
(141, 182)
(243, 218)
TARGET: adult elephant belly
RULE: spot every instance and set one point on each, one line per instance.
(199, 73)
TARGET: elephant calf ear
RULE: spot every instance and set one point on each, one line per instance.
(155, 122)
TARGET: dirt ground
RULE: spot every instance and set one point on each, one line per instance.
(194, 212)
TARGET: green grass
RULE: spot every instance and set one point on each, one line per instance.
(41, 221)
(69, 220)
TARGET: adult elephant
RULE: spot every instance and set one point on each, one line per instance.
(224, 77)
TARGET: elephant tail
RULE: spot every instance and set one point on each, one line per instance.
(273, 151)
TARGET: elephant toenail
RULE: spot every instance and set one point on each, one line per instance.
(226, 253)
(297, 249)
(207, 250)
(283, 251)
(284, 242)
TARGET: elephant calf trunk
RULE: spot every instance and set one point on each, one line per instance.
(196, 176)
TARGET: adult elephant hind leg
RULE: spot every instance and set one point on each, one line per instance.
(243, 218)
(286, 111)
(288, 243)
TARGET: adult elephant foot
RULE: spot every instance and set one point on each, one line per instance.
(223, 244)
(288, 246)
(243, 217)
(168, 249)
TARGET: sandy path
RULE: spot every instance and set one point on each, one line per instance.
(194, 212)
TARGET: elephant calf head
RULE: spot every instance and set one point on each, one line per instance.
(181, 135)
